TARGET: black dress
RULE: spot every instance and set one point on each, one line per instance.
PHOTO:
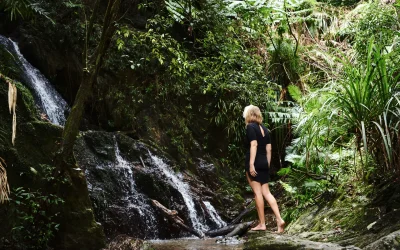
(253, 132)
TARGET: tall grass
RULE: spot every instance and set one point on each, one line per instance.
(370, 105)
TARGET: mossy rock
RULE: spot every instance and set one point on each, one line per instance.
(34, 151)
(270, 241)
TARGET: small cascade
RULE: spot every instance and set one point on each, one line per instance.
(123, 176)
(214, 215)
(134, 199)
(183, 188)
(49, 100)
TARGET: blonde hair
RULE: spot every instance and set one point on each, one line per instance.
(252, 113)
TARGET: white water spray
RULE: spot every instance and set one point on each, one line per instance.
(184, 188)
(135, 199)
(50, 101)
(214, 215)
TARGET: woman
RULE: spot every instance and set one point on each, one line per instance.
(258, 160)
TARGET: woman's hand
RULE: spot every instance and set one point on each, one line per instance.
(253, 152)
(253, 171)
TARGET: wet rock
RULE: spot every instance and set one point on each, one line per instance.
(124, 175)
(267, 240)
(208, 174)
(124, 242)
(34, 148)
(388, 242)
(119, 205)
(230, 240)
(317, 236)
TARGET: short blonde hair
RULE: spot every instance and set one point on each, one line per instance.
(252, 113)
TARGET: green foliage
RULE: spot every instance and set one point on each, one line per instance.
(9, 64)
(370, 94)
(35, 213)
(24, 9)
(378, 21)
(222, 69)
(295, 93)
(340, 2)
(36, 224)
(345, 128)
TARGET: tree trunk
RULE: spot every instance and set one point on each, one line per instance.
(78, 228)
(237, 228)
(172, 215)
(240, 229)
(71, 129)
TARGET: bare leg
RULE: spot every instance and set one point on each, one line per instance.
(256, 186)
(274, 206)
(249, 181)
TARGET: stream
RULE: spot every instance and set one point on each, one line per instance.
(193, 244)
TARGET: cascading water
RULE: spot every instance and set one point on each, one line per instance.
(183, 188)
(214, 215)
(120, 206)
(49, 100)
(135, 199)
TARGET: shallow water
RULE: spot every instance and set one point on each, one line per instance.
(193, 244)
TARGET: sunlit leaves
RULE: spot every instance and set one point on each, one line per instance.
(24, 9)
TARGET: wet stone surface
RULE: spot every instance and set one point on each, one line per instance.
(253, 240)
(271, 241)
(124, 175)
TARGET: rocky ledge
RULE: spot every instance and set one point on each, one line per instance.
(271, 241)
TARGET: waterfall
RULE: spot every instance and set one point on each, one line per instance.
(214, 215)
(134, 199)
(184, 188)
(49, 100)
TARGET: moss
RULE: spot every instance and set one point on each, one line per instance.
(9, 65)
(28, 101)
(265, 240)
(35, 147)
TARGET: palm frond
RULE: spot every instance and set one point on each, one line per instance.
(4, 187)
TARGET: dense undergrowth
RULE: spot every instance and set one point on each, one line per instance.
(325, 74)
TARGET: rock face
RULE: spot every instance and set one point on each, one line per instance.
(370, 223)
(124, 242)
(34, 149)
(124, 175)
(267, 240)
(388, 242)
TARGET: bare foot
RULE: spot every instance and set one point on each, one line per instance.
(281, 226)
(259, 227)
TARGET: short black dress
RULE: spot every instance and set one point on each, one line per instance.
(253, 132)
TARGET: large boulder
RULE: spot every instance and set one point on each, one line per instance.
(124, 175)
(268, 240)
(388, 242)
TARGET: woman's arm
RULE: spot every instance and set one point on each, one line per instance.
(253, 152)
(269, 154)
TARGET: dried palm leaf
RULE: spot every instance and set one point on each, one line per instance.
(12, 104)
(14, 100)
(14, 122)
(10, 96)
(14, 128)
(4, 187)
